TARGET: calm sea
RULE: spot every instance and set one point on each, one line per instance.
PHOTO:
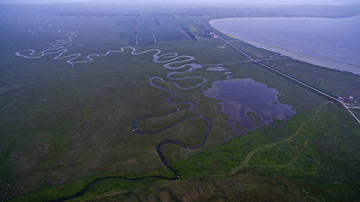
(328, 42)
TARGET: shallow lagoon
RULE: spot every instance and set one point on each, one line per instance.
(328, 42)
(242, 98)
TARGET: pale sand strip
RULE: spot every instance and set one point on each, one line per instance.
(323, 62)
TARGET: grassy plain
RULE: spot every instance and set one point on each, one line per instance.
(311, 163)
(63, 127)
(356, 112)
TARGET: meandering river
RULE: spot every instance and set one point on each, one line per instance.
(171, 61)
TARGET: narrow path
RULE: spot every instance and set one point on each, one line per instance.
(154, 37)
(242, 61)
(267, 146)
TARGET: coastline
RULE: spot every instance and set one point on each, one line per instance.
(323, 62)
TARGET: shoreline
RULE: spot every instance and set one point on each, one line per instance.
(322, 62)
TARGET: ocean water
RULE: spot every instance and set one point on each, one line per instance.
(328, 42)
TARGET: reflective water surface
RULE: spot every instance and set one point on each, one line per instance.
(248, 104)
(328, 42)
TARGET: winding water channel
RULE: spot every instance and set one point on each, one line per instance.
(172, 61)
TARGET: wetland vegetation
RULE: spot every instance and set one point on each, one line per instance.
(74, 104)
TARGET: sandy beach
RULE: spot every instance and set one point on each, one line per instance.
(323, 62)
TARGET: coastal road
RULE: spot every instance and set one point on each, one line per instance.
(242, 61)
(314, 89)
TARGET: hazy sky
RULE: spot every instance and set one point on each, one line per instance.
(325, 2)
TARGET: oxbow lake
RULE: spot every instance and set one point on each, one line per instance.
(328, 42)
(242, 98)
